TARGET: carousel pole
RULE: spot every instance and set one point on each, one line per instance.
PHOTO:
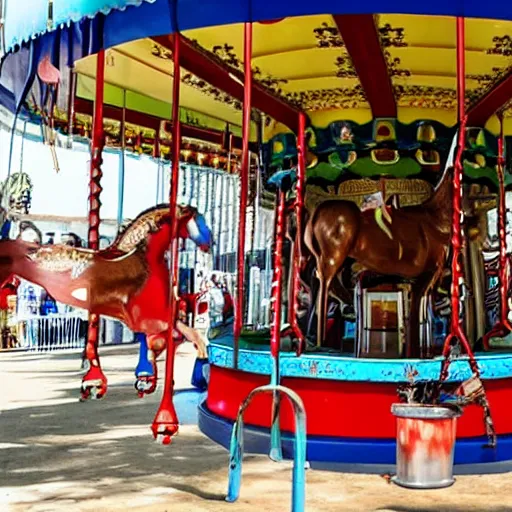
(275, 336)
(94, 382)
(502, 327)
(476, 389)
(456, 329)
(297, 245)
(165, 425)
(244, 185)
(71, 105)
(120, 185)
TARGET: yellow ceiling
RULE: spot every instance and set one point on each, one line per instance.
(304, 60)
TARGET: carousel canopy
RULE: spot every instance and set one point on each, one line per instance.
(28, 19)
(331, 67)
(352, 66)
(32, 18)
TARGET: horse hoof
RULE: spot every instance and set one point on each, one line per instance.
(93, 390)
(164, 439)
(92, 393)
(145, 386)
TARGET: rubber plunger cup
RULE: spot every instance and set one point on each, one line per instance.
(425, 443)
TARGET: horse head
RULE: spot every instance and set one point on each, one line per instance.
(191, 224)
(153, 227)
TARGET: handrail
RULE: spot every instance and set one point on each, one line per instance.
(236, 451)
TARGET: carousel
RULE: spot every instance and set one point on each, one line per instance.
(382, 140)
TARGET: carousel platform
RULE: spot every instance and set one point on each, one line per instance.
(348, 402)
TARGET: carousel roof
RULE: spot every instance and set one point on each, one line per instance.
(332, 67)
(30, 18)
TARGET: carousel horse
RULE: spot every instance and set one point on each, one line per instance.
(417, 248)
(128, 281)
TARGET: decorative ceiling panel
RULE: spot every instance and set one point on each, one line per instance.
(304, 60)
(421, 56)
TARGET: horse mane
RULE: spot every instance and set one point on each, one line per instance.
(149, 221)
(135, 231)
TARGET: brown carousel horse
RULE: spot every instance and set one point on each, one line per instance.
(414, 246)
(128, 281)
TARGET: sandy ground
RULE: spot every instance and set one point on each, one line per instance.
(57, 454)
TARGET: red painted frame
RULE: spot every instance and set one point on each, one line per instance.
(362, 42)
(244, 191)
(232, 82)
(166, 420)
(342, 409)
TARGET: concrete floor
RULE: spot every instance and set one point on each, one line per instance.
(57, 454)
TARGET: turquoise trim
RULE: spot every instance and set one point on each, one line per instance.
(27, 19)
(321, 366)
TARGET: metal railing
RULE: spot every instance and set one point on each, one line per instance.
(52, 332)
(236, 451)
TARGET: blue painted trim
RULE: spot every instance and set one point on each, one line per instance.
(156, 18)
(332, 367)
(346, 450)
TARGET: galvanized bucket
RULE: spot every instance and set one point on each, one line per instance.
(425, 443)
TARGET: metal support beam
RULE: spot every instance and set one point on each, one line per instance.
(244, 191)
(362, 42)
(200, 63)
(486, 106)
(166, 424)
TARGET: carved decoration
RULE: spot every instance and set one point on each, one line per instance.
(394, 66)
(507, 109)
(209, 90)
(345, 68)
(425, 97)
(486, 82)
(488, 79)
(223, 54)
(328, 36)
(410, 191)
(350, 97)
(392, 37)
(501, 46)
(227, 55)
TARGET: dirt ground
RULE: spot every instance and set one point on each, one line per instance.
(57, 454)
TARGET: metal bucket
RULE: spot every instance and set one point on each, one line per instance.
(425, 443)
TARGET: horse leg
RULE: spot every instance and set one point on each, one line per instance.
(165, 424)
(327, 270)
(94, 382)
(321, 309)
(146, 372)
(422, 288)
